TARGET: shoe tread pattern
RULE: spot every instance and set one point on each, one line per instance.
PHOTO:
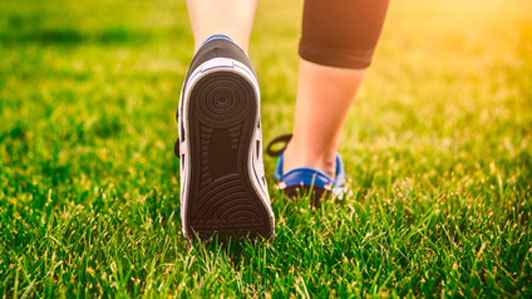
(221, 198)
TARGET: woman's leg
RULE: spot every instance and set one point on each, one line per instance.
(223, 189)
(336, 47)
(324, 96)
(233, 18)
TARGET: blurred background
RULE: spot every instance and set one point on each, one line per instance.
(101, 78)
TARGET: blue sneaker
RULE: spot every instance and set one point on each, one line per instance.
(223, 188)
(306, 180)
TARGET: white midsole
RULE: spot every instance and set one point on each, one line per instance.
(208, 67)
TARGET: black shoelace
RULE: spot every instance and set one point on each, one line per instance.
(283, 139)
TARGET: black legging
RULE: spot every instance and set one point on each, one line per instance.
(341, 33)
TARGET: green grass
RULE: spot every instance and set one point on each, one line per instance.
(437, 146)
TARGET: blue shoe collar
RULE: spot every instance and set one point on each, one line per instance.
(310, 176)
(216, 36)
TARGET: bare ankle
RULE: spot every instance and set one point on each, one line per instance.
(295, 157)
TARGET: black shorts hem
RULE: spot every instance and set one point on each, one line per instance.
(337, 57)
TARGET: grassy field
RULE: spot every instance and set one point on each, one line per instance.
(437, 147)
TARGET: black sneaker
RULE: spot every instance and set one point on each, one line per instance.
(223, 188)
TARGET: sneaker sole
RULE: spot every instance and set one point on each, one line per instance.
(221, 197)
